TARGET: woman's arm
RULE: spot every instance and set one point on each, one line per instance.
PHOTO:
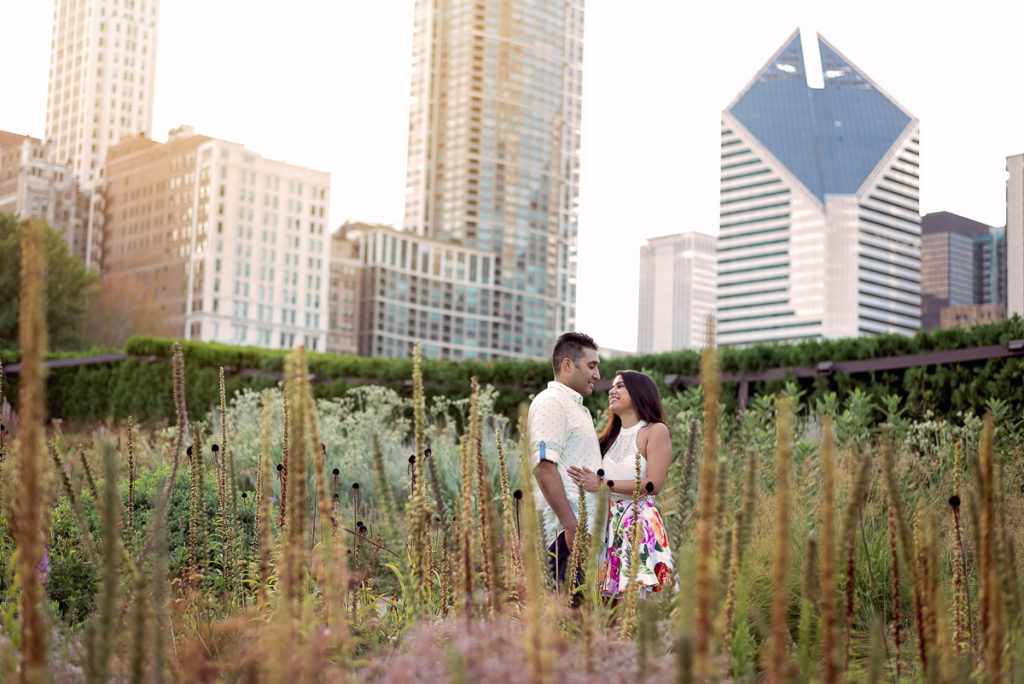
(655, 443)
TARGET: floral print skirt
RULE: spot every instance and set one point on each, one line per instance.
(656, 571)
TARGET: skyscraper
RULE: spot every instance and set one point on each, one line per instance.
(947, 263)
(820, 233)
(102, 68)
(1015, 235)
(677, 292)
(493, 163)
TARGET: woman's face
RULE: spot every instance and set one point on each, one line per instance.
(618, 397)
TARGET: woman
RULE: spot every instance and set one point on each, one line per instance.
(637, 424)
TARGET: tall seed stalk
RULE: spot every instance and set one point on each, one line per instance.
(961, 601)
(538, 647)
(808, 590)
(101, 630)
(283, 469)
(29, 498)
(262, 522)
(778, 655)
(628, 617)
(580, 550)
(703, 623)
(384, 491)
(196, 515)
(829, 607)
(509, 539)
(740, 536)
(689, 462)
(292, 580)
(131, 473)
(224, 491)
(894, 558)
(418, 509)
(488, 542)
(848, 539)
(989, 598)
(464, 530)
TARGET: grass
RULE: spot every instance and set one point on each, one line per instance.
(803, 551)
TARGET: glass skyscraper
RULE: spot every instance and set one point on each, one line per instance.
(493, 165)
(820, 233)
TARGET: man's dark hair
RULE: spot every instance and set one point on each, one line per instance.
(571, 345)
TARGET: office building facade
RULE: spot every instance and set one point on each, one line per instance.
(33, 184)
(233, 245)
(416, 289)
(344, 291)
(1015, 234)
(102, 72)
(677, 292)
(820, 233)
(493, 158)
(963, 268)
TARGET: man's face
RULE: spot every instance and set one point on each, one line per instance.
(582, 375)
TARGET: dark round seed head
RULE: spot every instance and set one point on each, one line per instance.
(359, 523)
(280, 467)
(336, 472)
(355, 485)
(649, 487)
(600, 472)
(611, 483)
(426, 452)
(336, 497)
(215, 448)
(244, 495)
(412, 459)
(954, 501)
(188, 452)
(518, 494)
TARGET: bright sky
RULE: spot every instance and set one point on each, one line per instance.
(325, 84)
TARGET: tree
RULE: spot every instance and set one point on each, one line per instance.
(69, 286)
(123, 307)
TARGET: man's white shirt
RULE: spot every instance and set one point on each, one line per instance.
(562, 431)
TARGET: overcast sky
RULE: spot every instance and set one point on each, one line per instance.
(325, 84)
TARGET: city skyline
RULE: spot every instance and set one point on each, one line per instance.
(650, 117)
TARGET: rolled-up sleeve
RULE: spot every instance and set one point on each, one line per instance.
(548, 427)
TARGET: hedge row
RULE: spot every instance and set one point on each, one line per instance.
(141, 386)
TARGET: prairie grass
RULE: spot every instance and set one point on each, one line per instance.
(796, 555)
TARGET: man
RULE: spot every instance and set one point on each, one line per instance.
(562, 435)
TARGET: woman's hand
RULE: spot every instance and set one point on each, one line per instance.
(586, 477)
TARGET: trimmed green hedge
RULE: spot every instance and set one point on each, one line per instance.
(142, 388)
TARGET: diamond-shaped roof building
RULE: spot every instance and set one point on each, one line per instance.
(830, 138)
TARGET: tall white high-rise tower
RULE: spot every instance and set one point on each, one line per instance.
(102, 69)
(493, 166)
(820, 231)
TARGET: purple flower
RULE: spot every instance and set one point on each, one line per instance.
(44, 567)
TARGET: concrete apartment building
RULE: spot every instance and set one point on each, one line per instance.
(344, 290)
(820, 232)
(493, 167)
(233, 245)
(102, 72)
(677, 292)
(34, 185)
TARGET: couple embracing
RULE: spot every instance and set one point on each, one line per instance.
(565, 452)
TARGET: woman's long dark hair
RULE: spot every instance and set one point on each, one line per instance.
(643, 392)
